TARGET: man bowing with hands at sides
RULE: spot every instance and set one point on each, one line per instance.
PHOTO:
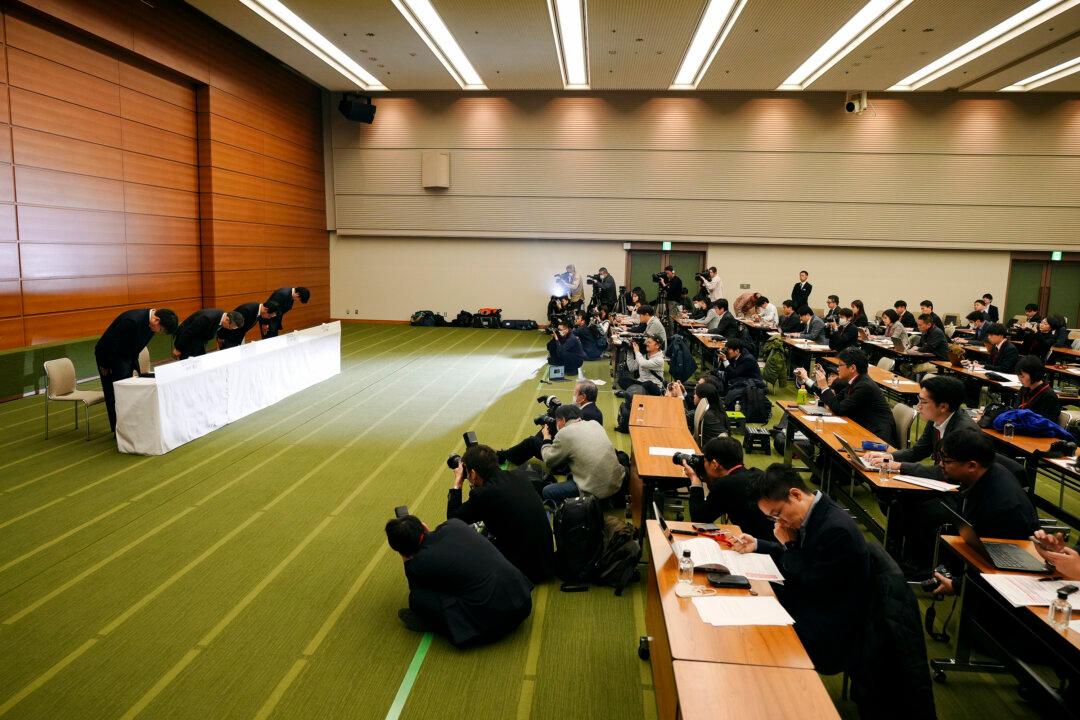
(823, 558)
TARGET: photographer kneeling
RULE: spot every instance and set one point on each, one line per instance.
(584, 397)
(460, 585)
(512, 513)
(565, 349)
(647, 361)
(585, 448)
(593, 342)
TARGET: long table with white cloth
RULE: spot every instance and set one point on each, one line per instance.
(190, 398)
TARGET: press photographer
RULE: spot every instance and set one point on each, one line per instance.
(569, 283)
(604, 291)
(645, 366)
(584, 447)
(711, 284)
(585, 393)
(506, 503)
(589, 334)
(721, 469)
(565, 349)
(671, 290)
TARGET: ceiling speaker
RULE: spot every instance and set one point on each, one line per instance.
(357, 108)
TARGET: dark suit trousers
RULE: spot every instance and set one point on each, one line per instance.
(525, 450)
(427, 604)
(115, 372)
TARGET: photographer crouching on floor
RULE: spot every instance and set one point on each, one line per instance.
(460, 585)
(589, 333)
(586, 450)
(585, 393)
(645, 366)
(565, 349)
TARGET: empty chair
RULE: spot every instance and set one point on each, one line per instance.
(950, 329)
(1066, 417)
(144, 361)
(60, 385)
(886, 364)
(903, 416)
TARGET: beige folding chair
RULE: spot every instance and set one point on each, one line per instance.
(144, 361)
(1066, 417)
(60, 385)
(886, 364)
(903, 416)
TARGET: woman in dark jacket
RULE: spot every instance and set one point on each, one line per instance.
(1052, 334)
(1036, 394)
(706, 416)
(859, 319)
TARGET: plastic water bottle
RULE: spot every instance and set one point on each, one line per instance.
(738, 406)
(1060, 610)
(686, 569)
(1009, 431)
(801, 396)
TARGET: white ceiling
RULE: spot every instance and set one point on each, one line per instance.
(639, 44)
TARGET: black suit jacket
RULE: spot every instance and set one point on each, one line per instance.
(743, 369)
(927, 446)
(728, 326)
(997, 507)
(514, 516)
(937, 321)
(232, 338)
(729, 496)
(832, 314)
(800, 295)
(199, 328)
(121, 343)
(992, 314)
(482, 595)
(1003, 359)
(825, 574)
(791, 323)
(1043, 401)
(907, 320)
(844, 336)
(283, 297)
(589, 411)
(933, 341)
(863, 402)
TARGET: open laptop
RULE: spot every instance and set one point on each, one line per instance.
(855, 457)
(1003, 556)
(898, 345)
(814, 409)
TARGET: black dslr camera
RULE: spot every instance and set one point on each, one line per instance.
(931, 583)
(593, 279)
(702, 276)
(454, 460)
(548, 418)
(696, 462)
(636, 339)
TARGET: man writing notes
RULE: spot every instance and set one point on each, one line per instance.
(117, 352)
(284, 299)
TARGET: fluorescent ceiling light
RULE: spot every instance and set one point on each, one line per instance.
(290, 23)
(1045, 77)
(569, 24)
(428, 25)
(716, 23)
(854, 32)
(1003, 32)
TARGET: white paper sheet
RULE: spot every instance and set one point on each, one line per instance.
(938, 485)
(726, 611)
(1024, 590)
(706, 551)
(829, 419)
(668, 452)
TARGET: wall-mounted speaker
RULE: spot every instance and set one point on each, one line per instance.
(435, 169)
(357, 108)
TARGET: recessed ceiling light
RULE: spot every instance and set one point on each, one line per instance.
(429, 26)
(1028, 18)
(716, 22)
(854, 32)
(569, 24)
(1045, 77)
(292, 25)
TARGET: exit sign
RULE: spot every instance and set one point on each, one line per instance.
(1055, 256)
(666, 245)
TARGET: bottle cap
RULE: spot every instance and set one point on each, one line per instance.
(686, 554)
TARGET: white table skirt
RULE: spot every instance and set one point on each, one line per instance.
(190, 398)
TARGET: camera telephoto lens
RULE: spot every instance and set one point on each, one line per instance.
(453, 461)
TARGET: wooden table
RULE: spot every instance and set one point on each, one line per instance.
(989, 617)
(1066, 352)
(677, 633)
(655, 411)
(887, 349)
(649, 471)
(739, 692)
(1033, 450)
(979, 376)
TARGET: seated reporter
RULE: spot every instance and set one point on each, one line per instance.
(585, 449)
(644, 366)
(893, 327)
(565, 349)
(649, 324)
(728, 482)
(1065, 559)
(460, 585)
(789, 321)
(811, 327)
(706, 417)
(1053, 333)
(585, 393)
(822, 555)
(740, 371)
(977, 322)
(199, 328)
(1003, 354)
(513, 515)
(853, 394)
(1036, 394)
(843, 333)
(593, 342)
(254, 314)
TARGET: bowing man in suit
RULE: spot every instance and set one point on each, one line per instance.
(460, 585)
(800, 293)
(199, 328)
(254, 314)
(1003, 354)
(117, 351)
(284, 299)
(853, 394)
(823, 558)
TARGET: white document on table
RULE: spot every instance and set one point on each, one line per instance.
(668, 452)
(927, 483)
(1024, 590)
(706, 553)
(726, 611)
(830, 419)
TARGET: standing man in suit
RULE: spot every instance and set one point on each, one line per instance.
(253, 313)
(460, 585)
(927, 308)
(853, 394)
(823, 558)
(800, 293)
(117, 351)
(1003, 354)
(813, 328)
(904, 317)
(284, 299)
(199, 328)
(512, 513)
(992, 314)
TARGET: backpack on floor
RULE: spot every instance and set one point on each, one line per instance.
(681, 363)
(617, 566)
(756, 406)
(579, 539)
(426, 318)
(463, 319)
(519, 325)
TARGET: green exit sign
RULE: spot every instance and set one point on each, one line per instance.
(1055, 256)
(666, 245)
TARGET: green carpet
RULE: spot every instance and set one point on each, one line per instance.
(246, 573)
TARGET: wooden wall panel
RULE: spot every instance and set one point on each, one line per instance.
(153, 287)
(9, 261)
(55, 152)
(59, 225)
(46, 296)
(162, 258)
(48, 187)
(11, 333)
(150, 200)
(151, 111)
(36, 40)
(38, 112)
(150, 140)
(155, 229)
(10, 298)
(54, 80)
(59, 260)
(7, 184)
(148, 170)
(7, 224)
